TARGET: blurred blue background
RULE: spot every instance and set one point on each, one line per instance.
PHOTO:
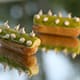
(52, 66)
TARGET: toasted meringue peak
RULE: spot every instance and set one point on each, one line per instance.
(50, 13)
(37, 16)
(22, 30)
(66, 23)
(74, 55)
(65, 51)
(69, 15)
(0, 30)
(57, 21)
(13, 35)
(45, 19)
(22, 40)
(29, 43)
(43, 49)
(6, 36)
(60, 14)
(77, 19)
(17, 27)
(32, 34)
(6, 24)
(40, 12)
(55, 50)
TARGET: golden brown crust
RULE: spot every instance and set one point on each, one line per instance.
(34, 69)
(71, 32)
(26, 59)
(58, 41)
(29, 61)
(19, 48)
(30, 51)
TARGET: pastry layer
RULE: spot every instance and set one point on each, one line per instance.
(59, 41)
(62, 31)
(66, 44)
(57, 25)
(13, 59)
(21, 49)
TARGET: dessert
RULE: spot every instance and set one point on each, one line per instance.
(18, 61)
(22, 42)
(67, 45)
(18, 48)
(58, 41)
(56, 24)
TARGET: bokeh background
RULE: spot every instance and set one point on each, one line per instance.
(52, 66)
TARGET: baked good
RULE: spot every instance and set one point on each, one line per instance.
(62, 44)
(18, 61)
(23, 42)
(56, 24)
(18, 48)
(58, 41)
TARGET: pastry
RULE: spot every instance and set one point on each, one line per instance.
(57, 41)
(22, 42)
(18, 61)
(56, 24)
(67, 45)
(18, 48)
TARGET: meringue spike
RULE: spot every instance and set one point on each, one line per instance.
(77, 19)
(65, 51)
(17, 27)
(7, 68)
(66, 23)
(20, 71)
(57, 21)
(45, 19)
(55, 50)
(43, 49)
(0, 30)
(74, 55)
(12, 35)
(47, 50)
(69, 15)
(60, 14)
(22, 39)
(32, 31)
(29, 43)
(50, 13)
(22, 30)
(28, 73)
(6, 36)
(6, 24)
(37, 16)
(40, 12)
(32, 34)
(5, 65)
